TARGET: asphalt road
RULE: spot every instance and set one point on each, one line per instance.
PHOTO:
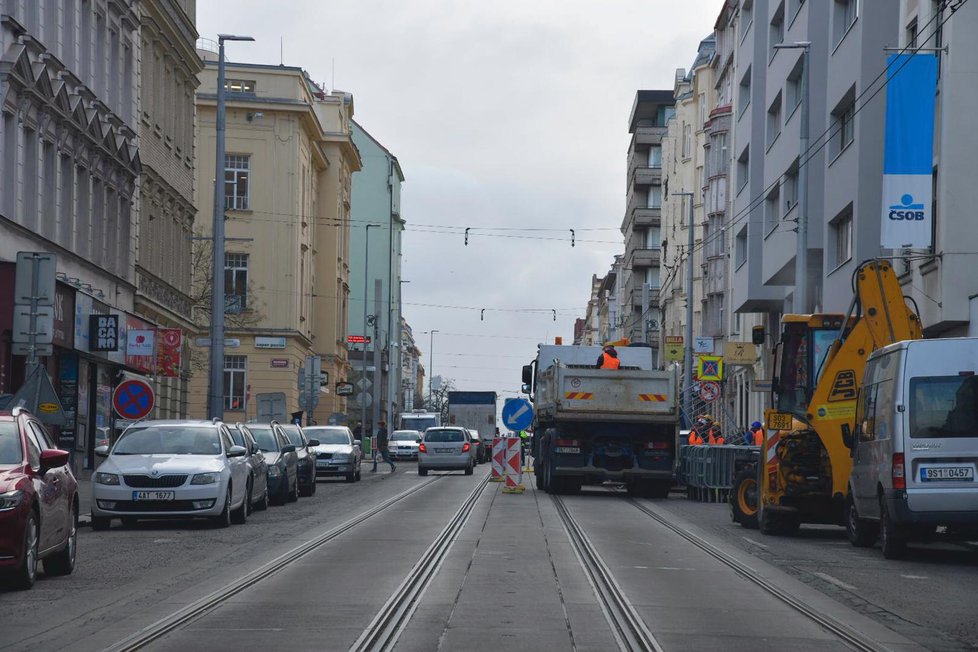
(510, 578)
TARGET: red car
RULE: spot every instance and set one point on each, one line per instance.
(38, 502)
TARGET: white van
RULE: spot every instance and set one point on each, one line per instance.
(915, 447)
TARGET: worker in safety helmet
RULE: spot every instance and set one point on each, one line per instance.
(715, 436)
(700, 427)
(608, 358)
(756, 435)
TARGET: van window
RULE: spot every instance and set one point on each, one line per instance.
(943, 406)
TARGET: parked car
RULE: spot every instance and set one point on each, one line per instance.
(403, 444)
(172, 469)
(478, 447)
(38, 502)
(307, 459)
(915, 446)
(337, 452)
(445, 448)
(258, 483)
(281, 459)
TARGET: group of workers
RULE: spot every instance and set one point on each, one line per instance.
(707, 431)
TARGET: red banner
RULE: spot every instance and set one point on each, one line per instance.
(168, 352)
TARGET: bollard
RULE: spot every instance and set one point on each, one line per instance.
(514, 468)
(498, 458)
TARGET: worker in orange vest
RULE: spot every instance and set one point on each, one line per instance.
(715, 436)
(702, 424)
(757, 434)
(608, 359)
(695, 439)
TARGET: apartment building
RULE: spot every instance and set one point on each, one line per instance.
(412, 373)
(641, 225)
(283, 255)
(375, 279)
(941, 280)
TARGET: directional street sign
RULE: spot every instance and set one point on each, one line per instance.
(517, 413)
(133, 399)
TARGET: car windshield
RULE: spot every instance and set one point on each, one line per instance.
(169, 440)
(10, 450)
(329, 435)
(438, 435)
(267, 441)
(944, 406)
(406, 435)
(295, 438)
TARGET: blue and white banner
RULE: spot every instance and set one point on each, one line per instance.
(908, 158)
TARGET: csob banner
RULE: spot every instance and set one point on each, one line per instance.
(908, 155)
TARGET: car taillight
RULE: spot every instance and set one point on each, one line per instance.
(422, 449)
(898, 472)
(657, 444)
(573, 443)
(466, 447)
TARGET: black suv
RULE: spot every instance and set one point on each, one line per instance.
(307, 458)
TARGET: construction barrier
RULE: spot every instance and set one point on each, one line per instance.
(708, 471)
(514, 467)
(498, 459)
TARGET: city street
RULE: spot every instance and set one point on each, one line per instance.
(454, 563)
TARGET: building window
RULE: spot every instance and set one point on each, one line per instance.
(720, 155)
(743, 165)
(792, 88)
(790, 187)
(740, 248)
(235, 282)
(845, 14)
(655, 197)
(746, 17)
(235, 381)
(777, 29)
(236, 186)
(774, 120)
(843, 123)
(841, 228)
(795, 9)
(655, 156)
(240, 86)
(772, 211)
(687, 141)
(912, 34)
(743, 92)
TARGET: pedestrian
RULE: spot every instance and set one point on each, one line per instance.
(382, 446)
(756, 434)
(608, 358)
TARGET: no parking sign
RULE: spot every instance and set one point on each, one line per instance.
(133, 399)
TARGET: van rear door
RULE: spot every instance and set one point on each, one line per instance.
(941, 425)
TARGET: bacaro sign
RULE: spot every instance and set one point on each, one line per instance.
(103, 332)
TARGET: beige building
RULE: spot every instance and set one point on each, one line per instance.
(168, 70)
(287, 178)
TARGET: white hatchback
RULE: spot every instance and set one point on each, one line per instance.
(171, 469)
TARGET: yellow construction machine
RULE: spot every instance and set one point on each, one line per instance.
(802, 472)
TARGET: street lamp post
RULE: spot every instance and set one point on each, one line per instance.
(431, 363)
(215, 393)
(800, 301)
(363, 362)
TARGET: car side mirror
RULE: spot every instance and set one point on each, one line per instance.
(358, 442)
(525, 388)
(289, 448)
(53, 458)
(527, 374)
(313, 442)
(237, 451)
(102, 451)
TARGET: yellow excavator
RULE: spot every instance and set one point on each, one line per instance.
(802, 472)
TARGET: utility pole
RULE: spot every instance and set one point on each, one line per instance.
(800, 300)
(215, 393)
(688, 346)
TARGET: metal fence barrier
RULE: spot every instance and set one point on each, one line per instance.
(708, 471)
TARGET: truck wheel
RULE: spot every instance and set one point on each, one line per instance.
(743, 498)
(861, 532)
(892, 541)
(548, 479)
(538, 476)
(660, 488)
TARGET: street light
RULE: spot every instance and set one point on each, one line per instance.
(215, 390)
(800, 301)
(431, 363)
(363, 362)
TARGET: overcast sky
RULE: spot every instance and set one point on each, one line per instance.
(511, 114)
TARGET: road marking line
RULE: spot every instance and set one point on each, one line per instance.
(914, 577)
(832, 580)
(755, 543)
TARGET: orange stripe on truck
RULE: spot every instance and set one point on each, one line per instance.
(657, 398)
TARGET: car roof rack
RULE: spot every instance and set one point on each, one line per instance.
(18, 410)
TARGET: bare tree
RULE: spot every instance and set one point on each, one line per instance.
(437, 401)
(239, 314)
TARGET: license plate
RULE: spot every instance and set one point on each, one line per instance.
(444, 450)
(572, 450)
(152, 495)
(947, 473)
(322, 464)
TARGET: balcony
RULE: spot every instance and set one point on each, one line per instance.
(643, 217)
(649, 135)
(646, 176)
(641, 257)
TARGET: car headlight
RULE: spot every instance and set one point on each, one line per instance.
(274, 471)
(206, 478)
(106, 478)
(10, 499)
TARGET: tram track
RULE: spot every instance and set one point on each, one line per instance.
(386, 627)
(182, 617)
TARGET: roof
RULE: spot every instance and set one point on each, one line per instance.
(646, 106)
(397, 164)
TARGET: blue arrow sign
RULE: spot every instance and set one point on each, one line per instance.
(517, 413)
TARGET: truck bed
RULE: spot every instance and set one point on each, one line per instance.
(586, 394)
